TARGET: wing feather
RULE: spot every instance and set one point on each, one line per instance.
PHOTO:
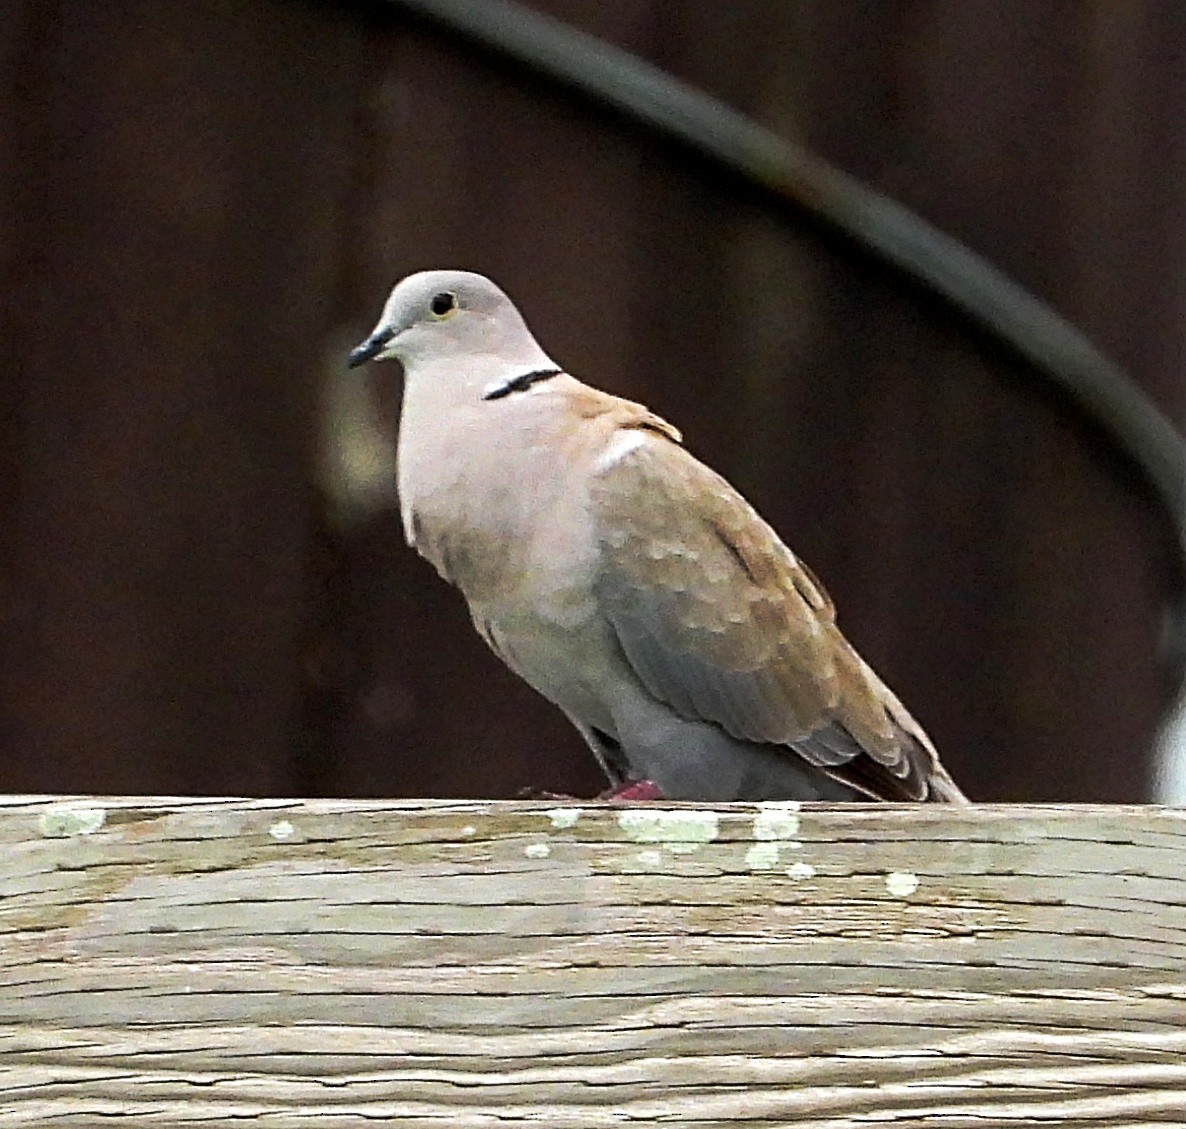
(722, 623)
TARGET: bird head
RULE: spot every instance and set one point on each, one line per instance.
(449, 315)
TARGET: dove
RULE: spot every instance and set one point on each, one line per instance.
(624, 580)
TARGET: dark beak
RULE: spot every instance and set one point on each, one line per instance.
(370, 348)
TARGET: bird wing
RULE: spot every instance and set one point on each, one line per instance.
(721, 622)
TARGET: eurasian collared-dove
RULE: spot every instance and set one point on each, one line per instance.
(623, 579)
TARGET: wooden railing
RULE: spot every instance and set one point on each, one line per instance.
(328, 963)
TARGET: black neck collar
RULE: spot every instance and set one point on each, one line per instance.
(522, 382)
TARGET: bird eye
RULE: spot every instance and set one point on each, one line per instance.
(443, 304)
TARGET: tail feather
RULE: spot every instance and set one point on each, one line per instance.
(941, 789)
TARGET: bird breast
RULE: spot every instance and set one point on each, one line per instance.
(502, 513)
(486, 495)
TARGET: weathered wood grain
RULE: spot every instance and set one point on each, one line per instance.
(329, 963)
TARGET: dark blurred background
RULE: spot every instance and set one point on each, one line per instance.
(203, 585)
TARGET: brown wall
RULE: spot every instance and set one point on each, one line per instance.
(205, 201)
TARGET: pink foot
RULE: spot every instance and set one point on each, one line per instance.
(633, 791)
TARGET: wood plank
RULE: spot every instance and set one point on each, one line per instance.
(339, 963)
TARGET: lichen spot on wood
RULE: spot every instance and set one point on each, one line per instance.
(901, 883)
(282, 829)
(777, 820)
(762, 856)
(537, 850)
(564, 818)
(680, 831)
(775, 826)
(64, 821)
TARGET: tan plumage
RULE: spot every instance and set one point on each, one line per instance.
(625, 580)
(723, 623)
